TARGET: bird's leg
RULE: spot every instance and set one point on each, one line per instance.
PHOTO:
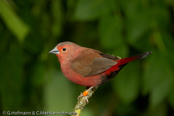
(85, 93)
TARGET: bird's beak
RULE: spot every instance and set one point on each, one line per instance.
(54, 51)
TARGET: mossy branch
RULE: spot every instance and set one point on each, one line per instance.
(82, 101)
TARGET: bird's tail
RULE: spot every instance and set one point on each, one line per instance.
(129, 59)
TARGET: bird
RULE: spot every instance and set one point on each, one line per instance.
(89, 67)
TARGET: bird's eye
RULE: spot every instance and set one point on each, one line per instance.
(64, 49)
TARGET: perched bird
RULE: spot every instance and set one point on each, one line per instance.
(89, 67)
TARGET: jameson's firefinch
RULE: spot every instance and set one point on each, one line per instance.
(89, 67)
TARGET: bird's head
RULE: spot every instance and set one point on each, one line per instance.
(65, 50)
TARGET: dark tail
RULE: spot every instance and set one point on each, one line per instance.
(129, 59)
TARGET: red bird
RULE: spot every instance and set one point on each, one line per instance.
(89, 67)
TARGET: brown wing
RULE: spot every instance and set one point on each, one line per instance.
(107, 55)
(91, 63)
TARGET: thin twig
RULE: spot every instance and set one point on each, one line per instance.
(82, 102)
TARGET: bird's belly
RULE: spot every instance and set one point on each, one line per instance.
(80, 80)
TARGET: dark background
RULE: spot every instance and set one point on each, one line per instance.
(31, 79)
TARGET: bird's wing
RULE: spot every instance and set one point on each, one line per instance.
(90, 63)
(108, 55)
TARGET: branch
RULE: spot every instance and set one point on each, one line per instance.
(83, 101)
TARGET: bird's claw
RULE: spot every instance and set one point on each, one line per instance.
(81, 95)
(84, 97)
(85, 93)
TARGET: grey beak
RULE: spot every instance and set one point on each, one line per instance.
(54, 51)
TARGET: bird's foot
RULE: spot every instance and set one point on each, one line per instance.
(82, 95)
(85, 93)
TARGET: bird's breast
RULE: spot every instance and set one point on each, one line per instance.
(73, 76)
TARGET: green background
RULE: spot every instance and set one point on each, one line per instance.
(31, 79)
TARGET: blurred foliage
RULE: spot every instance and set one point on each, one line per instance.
(31, 79)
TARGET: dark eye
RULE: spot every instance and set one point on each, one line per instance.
(64, 49)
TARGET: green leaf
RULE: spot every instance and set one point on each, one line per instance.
(143, 44)
(92, 9)
(110, 32)
(160, 16)
(110, 29)
(13, 22)
(11, 80)
(171, 97)
(57, 18)
(37, 74)
(160, 110)
(137, 19)
(137, 25)
(121, 51)
(158, 79)
(127, 82)
(58, 92)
